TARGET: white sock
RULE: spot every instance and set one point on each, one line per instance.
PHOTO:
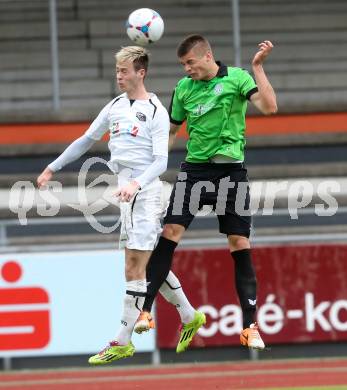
(133, 302)
(172, 291)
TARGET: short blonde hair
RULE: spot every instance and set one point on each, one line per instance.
(139, 56)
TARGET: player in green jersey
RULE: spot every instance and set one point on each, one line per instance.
(213, 100)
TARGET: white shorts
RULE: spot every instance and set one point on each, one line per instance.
(140, 218)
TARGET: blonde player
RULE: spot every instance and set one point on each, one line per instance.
(139, 131)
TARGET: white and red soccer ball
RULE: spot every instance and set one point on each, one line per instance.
(144, 26)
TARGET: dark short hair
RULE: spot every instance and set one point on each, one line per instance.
(191, 41)
(141, 63)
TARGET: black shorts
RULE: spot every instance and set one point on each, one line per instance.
(224, 187)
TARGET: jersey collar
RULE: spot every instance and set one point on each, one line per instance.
(223, 69)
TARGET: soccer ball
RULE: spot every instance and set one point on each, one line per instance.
(144, 26)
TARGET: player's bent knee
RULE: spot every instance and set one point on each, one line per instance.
(129, 271)
(237, 243)
(134, 273)
(173, 232)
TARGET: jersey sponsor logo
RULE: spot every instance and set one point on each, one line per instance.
(201, 109)
(134, 131)
(141, 117)
(218, 89)
(115, 128)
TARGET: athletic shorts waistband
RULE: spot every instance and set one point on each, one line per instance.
(211, 165)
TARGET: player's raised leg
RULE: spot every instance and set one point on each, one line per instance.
(191, 319)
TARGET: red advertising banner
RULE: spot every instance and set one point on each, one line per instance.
(302, 295)
(24, 329)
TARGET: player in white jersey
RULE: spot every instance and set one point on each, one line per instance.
(139, 129)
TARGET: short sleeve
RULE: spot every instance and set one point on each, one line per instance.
(100, 124)
(160, 132)
(247, 85)
(176, 110)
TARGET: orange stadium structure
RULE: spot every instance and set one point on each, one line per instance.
(45, 133)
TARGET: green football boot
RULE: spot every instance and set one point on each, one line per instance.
(188, 331)
(112, 352)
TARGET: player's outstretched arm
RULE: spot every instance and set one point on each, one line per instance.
(265, 98)
(71, 153)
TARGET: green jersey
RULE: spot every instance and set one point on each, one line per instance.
(215, 112)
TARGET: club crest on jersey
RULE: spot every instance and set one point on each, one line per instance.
(141, 117)
(218, 89)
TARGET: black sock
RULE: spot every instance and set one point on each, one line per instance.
(158, 268)
(246, 285)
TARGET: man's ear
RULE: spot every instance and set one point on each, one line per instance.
(142, 73)
(208, 56)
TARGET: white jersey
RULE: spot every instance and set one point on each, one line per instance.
(139, 130)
